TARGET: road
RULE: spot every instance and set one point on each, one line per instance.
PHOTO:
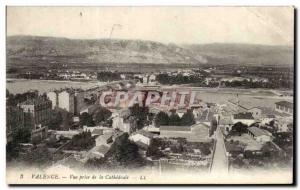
(220, 162)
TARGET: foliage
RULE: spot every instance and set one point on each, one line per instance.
(161, 118)
(13, 100)
(108, 76)
(188, 118)
(82, 141)
(140, 113)
(101, 115)
(19, 135)
(239, 128)
(213, 128)
(174, 119)
(179, 79)
(40, 156)
(153, 150)
(125, 153)
(56, 120)
(86, 119)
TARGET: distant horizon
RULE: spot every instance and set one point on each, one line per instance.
(136, 39)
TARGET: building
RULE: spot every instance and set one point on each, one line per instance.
(123, 121)
(53, 97)
(245, 118)
(70, 100)
(66, 100)
(37, 111)
(98, 151)
(175, 131)
(141, 136)
(14, 118)
(259, 135)
(39, 134)
(247, 106)
(195, 133)
(284, 107)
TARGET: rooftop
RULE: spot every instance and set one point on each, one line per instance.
(175, 128)
(144, 133)
(246, 115)
(257, 131)
(36, 101)
(285, 104)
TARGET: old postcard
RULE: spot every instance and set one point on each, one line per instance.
(149, 95)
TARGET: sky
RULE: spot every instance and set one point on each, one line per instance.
(196, 25)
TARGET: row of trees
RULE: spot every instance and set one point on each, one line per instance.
(162, 118)
(178, 79)
(108, 76)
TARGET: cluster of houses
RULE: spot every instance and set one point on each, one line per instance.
(257, 120)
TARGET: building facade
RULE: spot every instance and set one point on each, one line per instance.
(36, 111)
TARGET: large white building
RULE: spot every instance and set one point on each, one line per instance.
(53, 97)
(284, 107)
(66, 100)
(245, 118)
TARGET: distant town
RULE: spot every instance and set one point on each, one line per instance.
(242, 119)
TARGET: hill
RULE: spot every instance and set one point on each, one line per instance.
(44, 51)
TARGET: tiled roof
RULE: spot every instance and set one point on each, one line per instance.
(35, 101)
(97, 131)
(285, 104)
(145, 133)
(257, 131)
(246, 115)
(102, 149)
(175, 128)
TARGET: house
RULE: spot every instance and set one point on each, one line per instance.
(284, 107)
(175, 131)
(198, 132)
(124, 122)
(226, 122)
(282, 125)
(104, 139)
(259, 135)
(141, 136)
(36, 111)
(245, 118)
(98, 151)
(66, 100)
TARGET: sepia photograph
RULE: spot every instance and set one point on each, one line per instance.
(150, 95)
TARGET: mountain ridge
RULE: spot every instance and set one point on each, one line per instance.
(143, 51)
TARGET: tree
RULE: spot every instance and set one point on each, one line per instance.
(102, 114)
(82, 141)
(22, 135)
(161, 118)
(239, 128)
(56, 120)
(213, 128)
(205, 150)
(188, 118)
(153, 150)
(125, 153)
(174, 119)
(86, 119)
(140, 113)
